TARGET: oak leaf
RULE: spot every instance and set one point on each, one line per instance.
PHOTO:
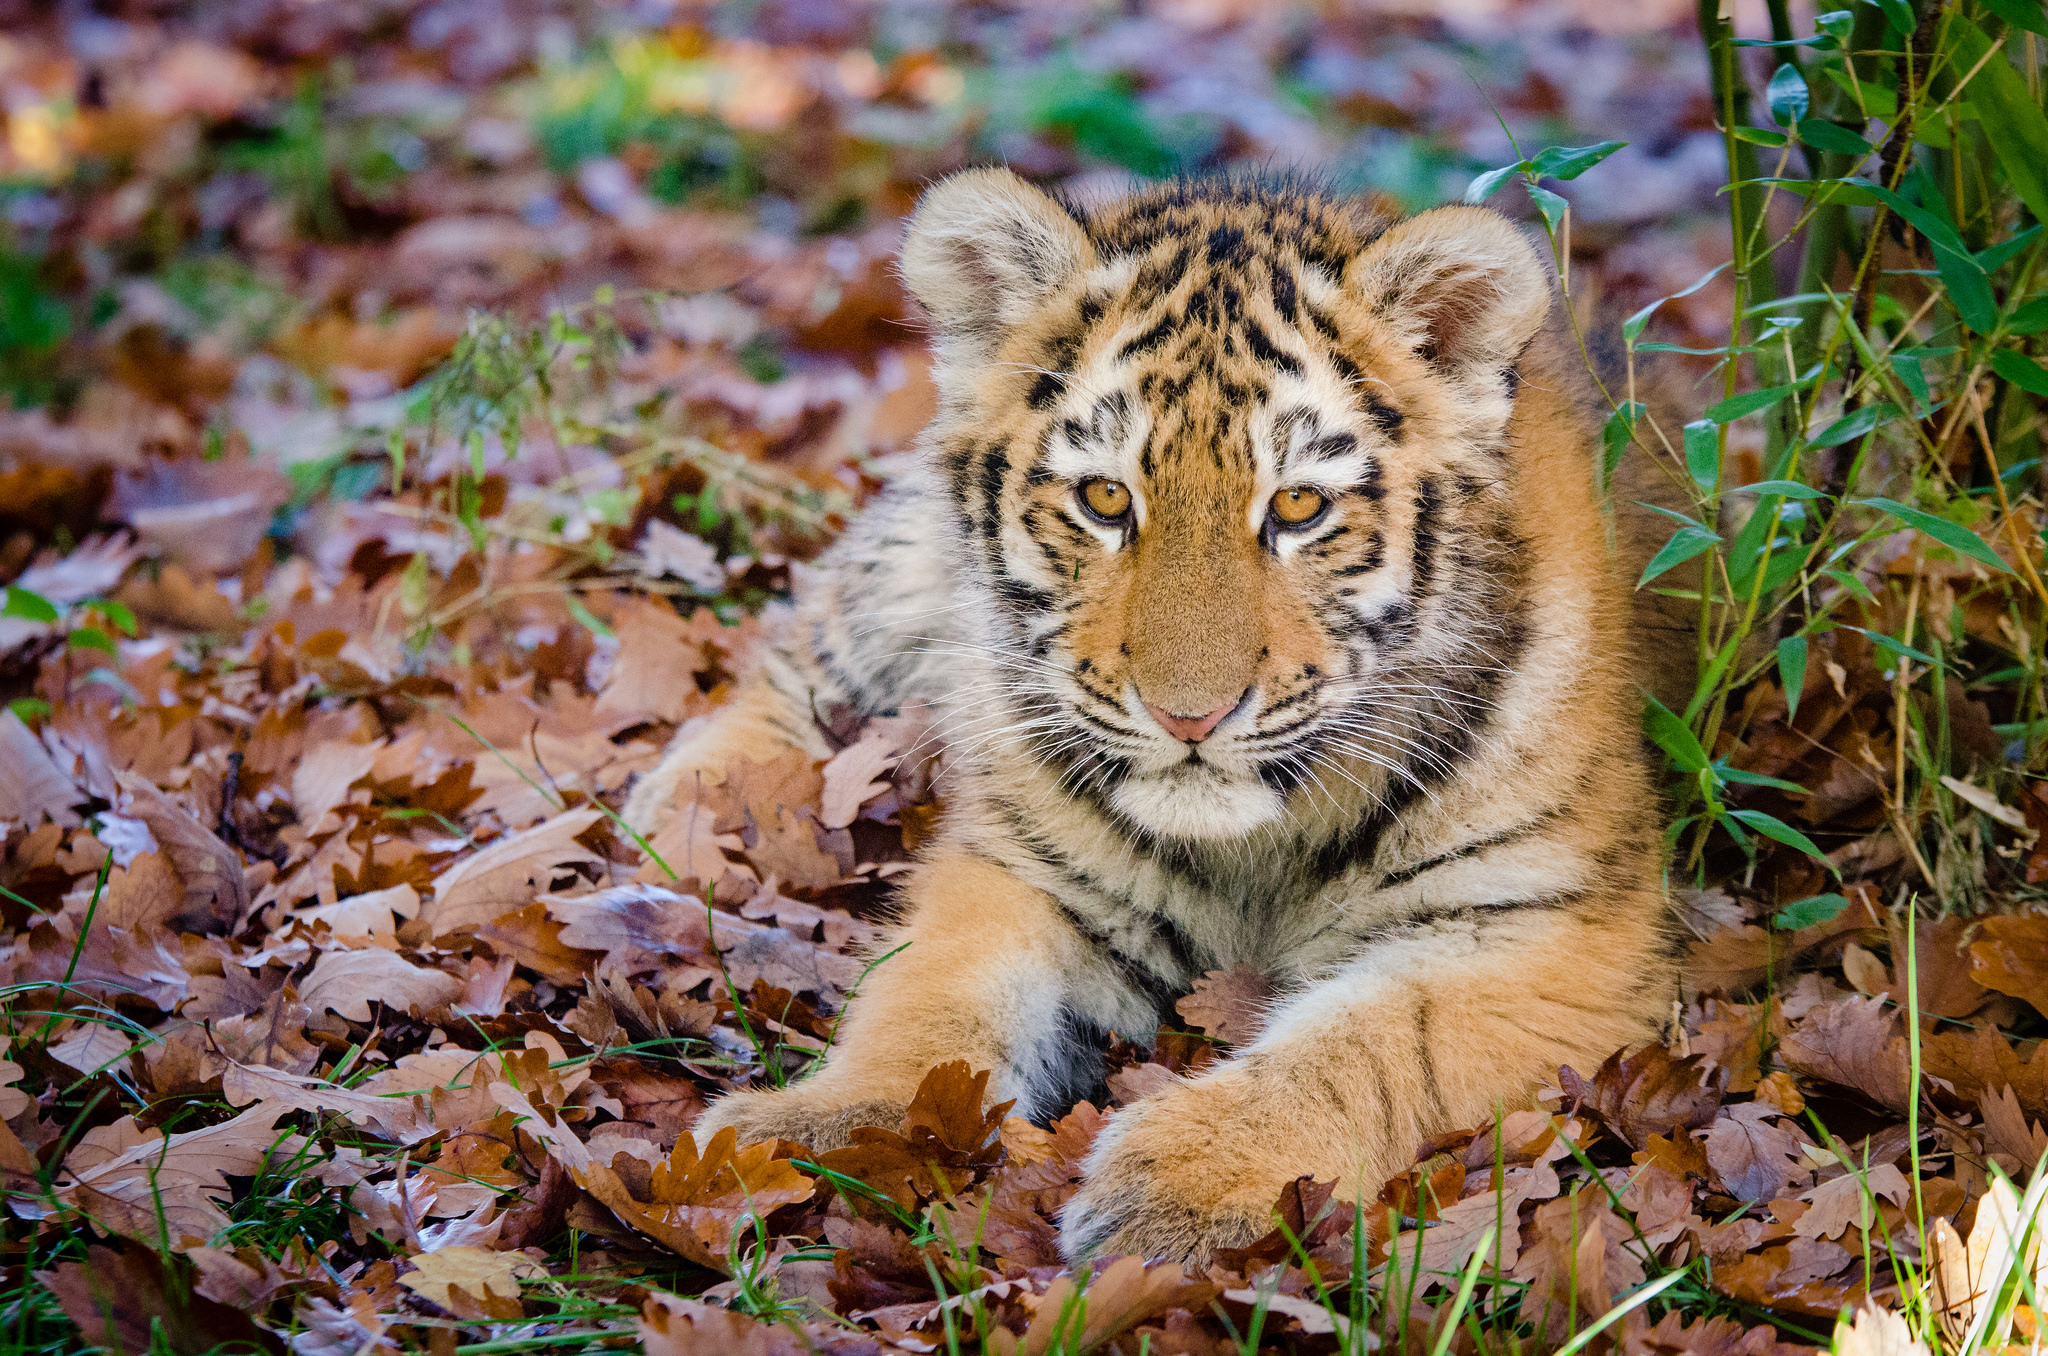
(1875, 1331)
(1121, 1295)
(673, 1326)
(696, 1203)
(472, 1282)
(1646, 1093)
(1228, 1004)
(852, 776)
(324, 775)
(32, 786)
(944, 1137)
(1580, 1256)
(1753, 1155)
(126, 1302)
(1845, 1202)
(1854, 1043)
(2010, 954)
(347, 981)
(509, 874)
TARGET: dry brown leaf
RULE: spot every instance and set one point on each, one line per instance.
(852, 777)
(32, 786)
(347, 982)
(1844, 1202)
(2001, 1245)
(2007, 1132)
(1779, 1092)
(1121, 1296)
(1580, 1257)
(215, 890)
(1981, 1061)
(1136, 1081)
(508, 874)
(1646, 1093)
(696, 1201)
(472, 1282)
(1854, 1043)
(325, 773)
(180, 1181)
(673, 1326)
(1755, 1156)
(401, 1118)
(2010, 955)
(651, 674)
(125, 1302)
(534, 940)
(1876, 1332)
(1227, 1004)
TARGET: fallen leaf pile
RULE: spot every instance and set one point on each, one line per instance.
(406, 412)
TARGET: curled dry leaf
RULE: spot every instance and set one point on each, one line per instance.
(215, 890)
(695, 1202)
(32, 786)
(1646, 1093)
(163, 1190)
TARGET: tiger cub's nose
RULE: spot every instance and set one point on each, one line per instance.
(1193, 729)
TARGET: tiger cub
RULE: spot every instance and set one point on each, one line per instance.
(1256, 560)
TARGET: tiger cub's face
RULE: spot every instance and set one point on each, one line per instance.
(1225, 460)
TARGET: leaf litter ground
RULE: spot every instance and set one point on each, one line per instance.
(350, 586)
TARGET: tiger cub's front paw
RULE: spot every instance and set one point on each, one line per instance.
(807, 1114)
(1166, 1179)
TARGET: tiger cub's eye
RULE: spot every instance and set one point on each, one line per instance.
(1108, 500)
(1292, 508)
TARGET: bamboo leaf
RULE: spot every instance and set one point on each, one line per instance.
(1748, 402)
(1788, 95)
(1854, 424)
(1792, 671)
(2022, 371)
(1703, 453)
(1672, 735)
(1770, 826)
(1685, 543)
(1569, 162)
(2013, 121)
(1952, 535)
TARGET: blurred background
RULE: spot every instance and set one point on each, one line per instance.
(243, 224)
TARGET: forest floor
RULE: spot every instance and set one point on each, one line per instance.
(413, 406)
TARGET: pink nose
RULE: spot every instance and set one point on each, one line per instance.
(1193, 729)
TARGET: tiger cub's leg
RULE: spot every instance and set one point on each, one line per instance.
(1357, 1070)
(990, 973)
(871, 628)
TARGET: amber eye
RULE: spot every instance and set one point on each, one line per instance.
(1294, 508)
(1107, 500)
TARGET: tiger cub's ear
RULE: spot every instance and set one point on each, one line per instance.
(984, 249)
(1460, 284)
